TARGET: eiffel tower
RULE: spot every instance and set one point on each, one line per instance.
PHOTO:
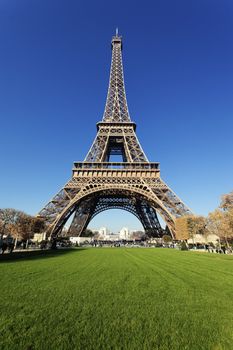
(97, 184)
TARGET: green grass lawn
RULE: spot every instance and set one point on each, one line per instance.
(116, 298)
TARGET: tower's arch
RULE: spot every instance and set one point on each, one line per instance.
(136, 199)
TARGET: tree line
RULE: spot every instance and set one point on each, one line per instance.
(218, 222)
(19, 225)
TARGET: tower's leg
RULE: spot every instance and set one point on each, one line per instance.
(149, 219)
(168, 232)
(82, 217)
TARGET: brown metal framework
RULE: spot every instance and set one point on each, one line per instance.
(97, 184)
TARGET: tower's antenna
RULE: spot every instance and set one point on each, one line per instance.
(116, 31)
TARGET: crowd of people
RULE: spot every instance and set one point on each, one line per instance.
(220, 249)
(6, 246)
(9, 245)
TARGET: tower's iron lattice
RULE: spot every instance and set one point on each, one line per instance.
(97, 184)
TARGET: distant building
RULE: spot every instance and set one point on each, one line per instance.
(38, 237)
(103, 233)
(115, 237)
(124, 233)
(137, 234)
(79, 240)
(202, 239)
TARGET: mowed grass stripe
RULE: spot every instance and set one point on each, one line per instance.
(190, 290)
(117, 298)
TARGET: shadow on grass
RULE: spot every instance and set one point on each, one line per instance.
(37, 254)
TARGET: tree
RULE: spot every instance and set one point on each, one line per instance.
(196, 225)
(227, 206)
(137, 235)
(190, 225)
(227, 226)
(184, 246)
(19, 224)
(87, 233)
(23, 227)
(227, 201)
(38, 225)
(220, 223)
(229, 216)
(167, 238)
(2, 228)
(182, 232)
(215, 221)
(8, 217)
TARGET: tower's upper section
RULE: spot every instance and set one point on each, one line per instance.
(116, 109)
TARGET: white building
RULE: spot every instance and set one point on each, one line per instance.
(38, 237)
(104, 233)
(124, 233)
(113, 237)
(79, 240)
(204, 239)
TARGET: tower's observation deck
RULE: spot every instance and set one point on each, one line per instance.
(116, 170)
(117, 40)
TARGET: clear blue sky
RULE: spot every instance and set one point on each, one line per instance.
(54, 71)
